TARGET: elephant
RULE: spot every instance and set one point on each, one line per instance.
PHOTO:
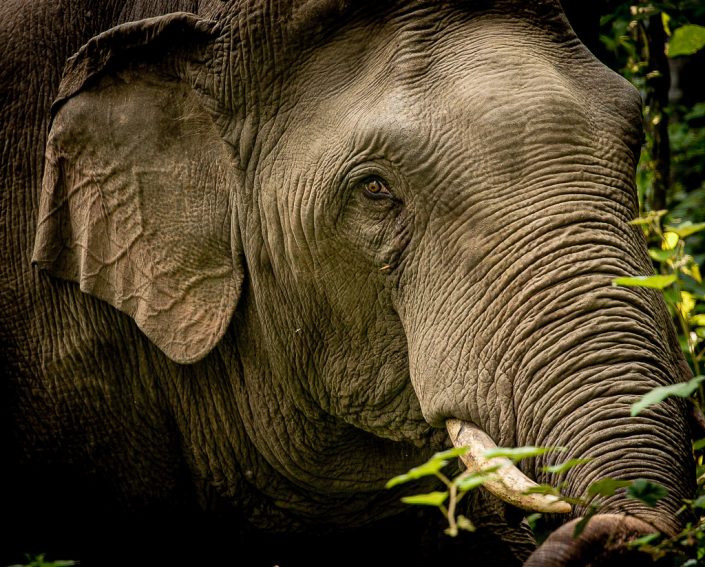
(261, 257)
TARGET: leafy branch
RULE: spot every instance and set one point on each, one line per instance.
(456, 488)
(680, 282)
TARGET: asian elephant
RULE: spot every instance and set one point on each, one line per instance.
(258, 255)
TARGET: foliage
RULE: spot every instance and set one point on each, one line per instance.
(681, 284)
(684, 294)
(676, 238)
(686, 40)
(447, 501)
(657, 395)
(40, 561)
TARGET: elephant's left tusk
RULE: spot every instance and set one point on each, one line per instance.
(508, 483)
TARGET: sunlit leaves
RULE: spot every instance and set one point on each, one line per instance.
(686, 228)
(435, 498)
(465, 524)
(644, 540)
(446, 501)
(649, 217)
(670, 240)
(469, 481)
(657, 395)
(686, 40)
(40, 561)
(449, 454)
(563, 467)
(430, 467)
(654, 282)
(661, 255)
(544, 489)
(461, 523)
(691, 268)
(465, 483)
(686, 303)
(516, 454)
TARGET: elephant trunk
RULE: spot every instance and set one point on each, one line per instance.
(554, 355)
(652, 447)
(571, 384)
(602, 542)
(520, 332)
(579, 394)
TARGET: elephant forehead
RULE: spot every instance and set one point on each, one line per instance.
(485, 94)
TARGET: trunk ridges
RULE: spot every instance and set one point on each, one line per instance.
(603, 542)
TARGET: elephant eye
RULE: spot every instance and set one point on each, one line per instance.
(375, 188)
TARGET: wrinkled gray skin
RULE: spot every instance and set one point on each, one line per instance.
(285, 339)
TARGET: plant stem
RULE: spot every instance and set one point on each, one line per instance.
(452, 501)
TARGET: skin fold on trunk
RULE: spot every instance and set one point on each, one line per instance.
(508, 483)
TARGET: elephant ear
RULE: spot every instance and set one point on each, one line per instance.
(136, 199)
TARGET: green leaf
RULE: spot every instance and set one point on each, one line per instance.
(430, 499)
(543, 489)
(517, 454)
(430, 467)
(692, 286)
(671, 295)
(449, 454)
(39, 561)
(532, 520)
(582, 524)
(649, 217)
(607, 486)
(646, 491)
(654, 282)
(692, 269)
(417, 472)
(686, 303)
(563, 467)
(687, 228)
(644, 540)
(699, 502)
(465, 524)
(686, 40)
(469, 481)
(699, 444)
(657, 395)
(665, 21)
(699, 472)
(661, 255)
(698, 320)
(670, 240)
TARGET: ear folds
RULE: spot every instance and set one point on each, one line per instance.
(136, 203)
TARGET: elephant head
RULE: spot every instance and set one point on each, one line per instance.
(379, 218)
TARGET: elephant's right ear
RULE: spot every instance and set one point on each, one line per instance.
(136, 204)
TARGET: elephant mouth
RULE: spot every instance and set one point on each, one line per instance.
(506, 482)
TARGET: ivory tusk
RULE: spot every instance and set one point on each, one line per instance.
(508, 483)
